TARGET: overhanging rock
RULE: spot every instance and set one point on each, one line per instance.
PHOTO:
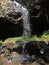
(11, 21)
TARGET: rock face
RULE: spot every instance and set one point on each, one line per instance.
(39, 17)
(11, 22)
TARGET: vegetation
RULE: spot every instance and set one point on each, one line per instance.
(43, 37)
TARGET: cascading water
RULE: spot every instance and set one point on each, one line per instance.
(25, 15)
(26, 23)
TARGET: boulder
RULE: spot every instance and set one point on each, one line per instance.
(11, 22)
(35, 47)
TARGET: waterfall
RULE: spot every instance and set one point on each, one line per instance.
(25, 15)
(26, 23)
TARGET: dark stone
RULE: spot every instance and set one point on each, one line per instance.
(39, 17)
(46, 54)
(21, 48)
(10, 29)
(34, 47)
(38, 48)
(12, 47)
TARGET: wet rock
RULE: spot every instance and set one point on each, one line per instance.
(12, 47)
(33, 47)
(21, 47)
(28, 59)
(14, 54)
(16, 47)
(11, 21)
(4, 52)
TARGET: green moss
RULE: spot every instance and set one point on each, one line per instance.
(43, 37)
(34, 38)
